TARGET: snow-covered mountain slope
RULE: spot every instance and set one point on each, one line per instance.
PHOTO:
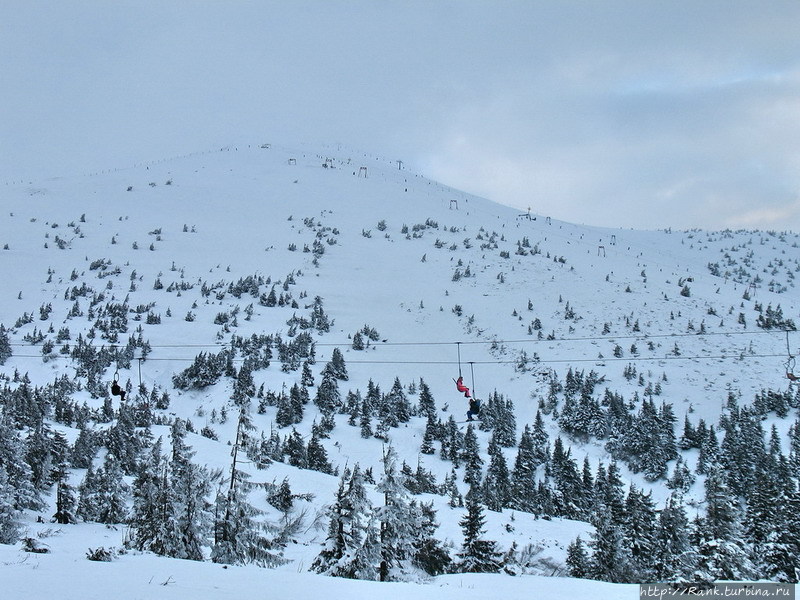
(193, 246)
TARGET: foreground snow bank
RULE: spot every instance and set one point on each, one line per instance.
(137, 577)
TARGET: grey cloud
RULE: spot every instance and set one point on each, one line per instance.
(630, 113)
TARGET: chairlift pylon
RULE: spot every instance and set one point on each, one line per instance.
(790, 361)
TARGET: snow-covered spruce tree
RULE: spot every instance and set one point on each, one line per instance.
(496, 485)
(682, 477)
(244, 388)
(431, 429)
(385, 423)
(671, 556)
(282, 497)
(39, 455)
(422, 481)
(649, 444)
(151, 516)
(399, 522)
(327, 423)
(298, 398)
(123, 442)
(583, 418)
(540, 440)
(112, 492)
(319, 320)
(239, 537)
(794, 446)
(452, 442)
(5, 345)
(285, 415)
(337, 366)
(497, 415)
(568, 494)
(640, 531)
(65, 494)
(717, 538)
(352, 406)
(351, 549)
(88, 495)
(611, 559)
(588, 483)
(742, 451)
(365, 419)
(451, 490)
(59, 449)
(10, 522)
(430, 555)
(317, 456)
(722, 515)
(427, 405)
(577, 559)
(328, 397)
(190, 485)
(773, 319)
(709, 449)
(294, 449)
(307, 378)
(477, 555)
(373, 396)
(609, 493)
(397, 402)
(204, 371)
(358, 341)
(18, 471)
(473, 470)
(523, 475)
(765, 511)
(781, 551)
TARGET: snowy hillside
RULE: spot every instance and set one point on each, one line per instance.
(304, 312)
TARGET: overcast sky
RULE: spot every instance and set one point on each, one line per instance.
(634, 113)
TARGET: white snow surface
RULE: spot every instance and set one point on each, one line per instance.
(233, 212)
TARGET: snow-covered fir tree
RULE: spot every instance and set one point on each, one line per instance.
(477, 555)
(351, 549)
(151, 515)
(18, 472)
(240, 535)
(672, 559)
(5, 345)
(611, 559)
(317, 456)
(10, 516)
(66, 500)
(496, 487)
(112, 492)
(523, 476)
(577, 560)
(717, 537)
(400, 521)
(473, 463)
(328, 397)
(190, 510)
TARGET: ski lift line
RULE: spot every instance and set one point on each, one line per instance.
(531, 362)
(570, 360)
(148, 359)
(608, 338)
(114, 346)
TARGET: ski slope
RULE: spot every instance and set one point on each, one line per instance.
(426, 266)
